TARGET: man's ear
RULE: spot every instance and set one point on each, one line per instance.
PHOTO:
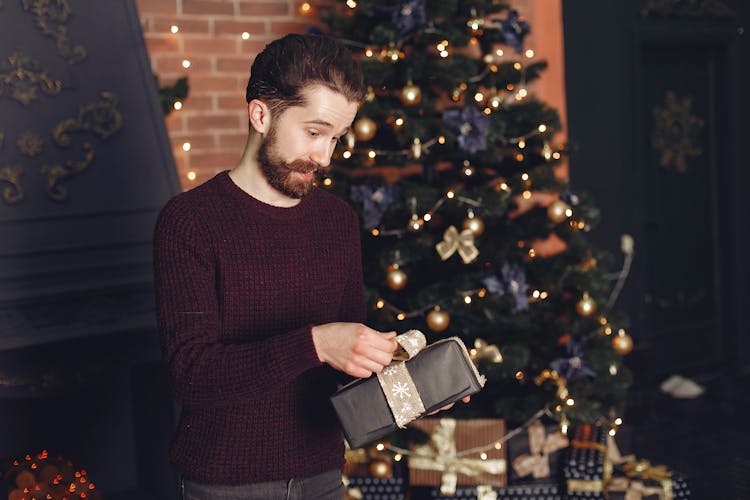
(259, 116)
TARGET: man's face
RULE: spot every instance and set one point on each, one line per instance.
(301, 140)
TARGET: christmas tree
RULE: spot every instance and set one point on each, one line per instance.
(467, 229)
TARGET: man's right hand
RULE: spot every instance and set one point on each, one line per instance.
(354, 348)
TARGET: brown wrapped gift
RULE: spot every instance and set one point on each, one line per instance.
(429, 378)
(460, 452)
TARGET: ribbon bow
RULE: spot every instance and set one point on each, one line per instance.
(463, 242)
(536, 462)
(483, 350)
(636, 490)
(440, 455)
(398, 386)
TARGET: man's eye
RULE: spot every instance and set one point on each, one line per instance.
(313, 133)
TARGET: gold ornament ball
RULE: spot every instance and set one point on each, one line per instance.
(586, 306)
(381, 469)
(475, 225)
(411, 95)
(364, 129)
(438, 320)
(622, 343)
(557, 211)
(396, 279)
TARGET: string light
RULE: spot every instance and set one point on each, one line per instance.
(529, 53)
(369, 52)
(178, 105)
(351, 4)
(305, 8)
(185, 63)
(542, 128)
(245, 35)
(347, 154)
(618, 421)
(191, 176)
(174, 28)
(371, 154)
(186, 146)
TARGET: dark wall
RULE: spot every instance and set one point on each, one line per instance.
(687, 293)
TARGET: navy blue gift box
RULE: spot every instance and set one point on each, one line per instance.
(517, 492)
(373, 488)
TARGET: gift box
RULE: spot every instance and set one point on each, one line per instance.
(587, 468)
(372, 462)
(639, 479)
(460, 452)
(541, 491)
(370, 488)
(535, 455)
(421, 380)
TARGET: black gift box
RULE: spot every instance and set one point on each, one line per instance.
(442, 373)
(542, 491)
(371, 488)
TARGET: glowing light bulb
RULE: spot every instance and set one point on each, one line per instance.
(174, 28)
(191, 176)
(186, 146)
(347, 154)
(305, 8)
(245, 35)
(529, 53)
(178, 105)
(351, 4)
(185, 63)
(542, 128)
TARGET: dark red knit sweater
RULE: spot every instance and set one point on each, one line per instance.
(239, 284)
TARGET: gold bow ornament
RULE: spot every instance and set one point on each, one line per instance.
(638, 471)
(541, 445)
(483, 350)
(462, 242)
(440, 456)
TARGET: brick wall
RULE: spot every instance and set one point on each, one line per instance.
(213, 119)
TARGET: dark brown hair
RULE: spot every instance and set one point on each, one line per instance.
(287, 65)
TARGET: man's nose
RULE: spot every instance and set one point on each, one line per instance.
(322, 154)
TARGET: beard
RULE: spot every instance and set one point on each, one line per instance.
(281, 174)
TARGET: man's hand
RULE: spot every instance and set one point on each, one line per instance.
(354, 348)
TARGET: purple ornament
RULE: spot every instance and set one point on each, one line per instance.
(375, 200)
(512, 281)
(514, 30)
(574, 366)
(470, 126)
(405, 15)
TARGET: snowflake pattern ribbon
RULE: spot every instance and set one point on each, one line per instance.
(398, 387)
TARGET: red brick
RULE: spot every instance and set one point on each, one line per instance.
(146, 7)
(253, 47)
(202, 84)
(217, 160)
(265, 9)
(197, 141)
(212, 46)
(175, 123)
(222, 27)
(214, 8)
(201, 175)
(173, 64)
(231, 102)
(224, 121)
(234, 64)
(157, 44)
(233, 141)
(197, 103)
(164, 25)
(282, 28)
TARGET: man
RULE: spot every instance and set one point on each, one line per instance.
(259, 291)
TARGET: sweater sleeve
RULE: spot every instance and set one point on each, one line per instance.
(204, 371)
(353, 301)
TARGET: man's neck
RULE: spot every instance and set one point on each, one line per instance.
(247, 175)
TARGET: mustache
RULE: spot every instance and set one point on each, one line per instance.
(307, 167)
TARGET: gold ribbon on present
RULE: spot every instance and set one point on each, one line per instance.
(485, 492)
(483, 350)
(642, 469)
(595, 485)
(463, 242)
(398, 386)
(536, 462)
(440, 455)
(635, 490)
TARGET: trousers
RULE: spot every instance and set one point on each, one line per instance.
(325, 486)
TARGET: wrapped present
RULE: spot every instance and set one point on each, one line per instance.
(541, 491)
(371, 462)
(419, 381)
(536, 453)
(460, 452)
(372, 488)
(639, 480)
(587, 467)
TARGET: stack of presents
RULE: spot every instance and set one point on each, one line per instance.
(472, 459)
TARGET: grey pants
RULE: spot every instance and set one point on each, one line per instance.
(325, 486)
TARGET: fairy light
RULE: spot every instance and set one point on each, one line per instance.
(186, 146)
(174, 28)
(371, 154)
(369, 52)
(441, 139)
(483, 456)
(245, 35)
(380, 447)
(530, 53)
(351, 4)
(521, 144)
(347, 154)
(535, 294)
(613, 369)
(191, 176)
(532, 253)
(517, 66)
(570, 402)
(499, 52)
(523, 93)
(328, 182)
(443, 53)
(542, 128)
(178, 105)
(399, 121)
(401, 316)
(526, 195)
(479, 97)
(519, 157)
(397, 457)
(543, 295)
(305, 8)
(467, 299)
(618, 421)
(498, 446)
(375, 232)
(185, 63)
(556, 155)
(450, 194)
(612, 432)
(504, 186)
(427, 217)
(525, 176)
